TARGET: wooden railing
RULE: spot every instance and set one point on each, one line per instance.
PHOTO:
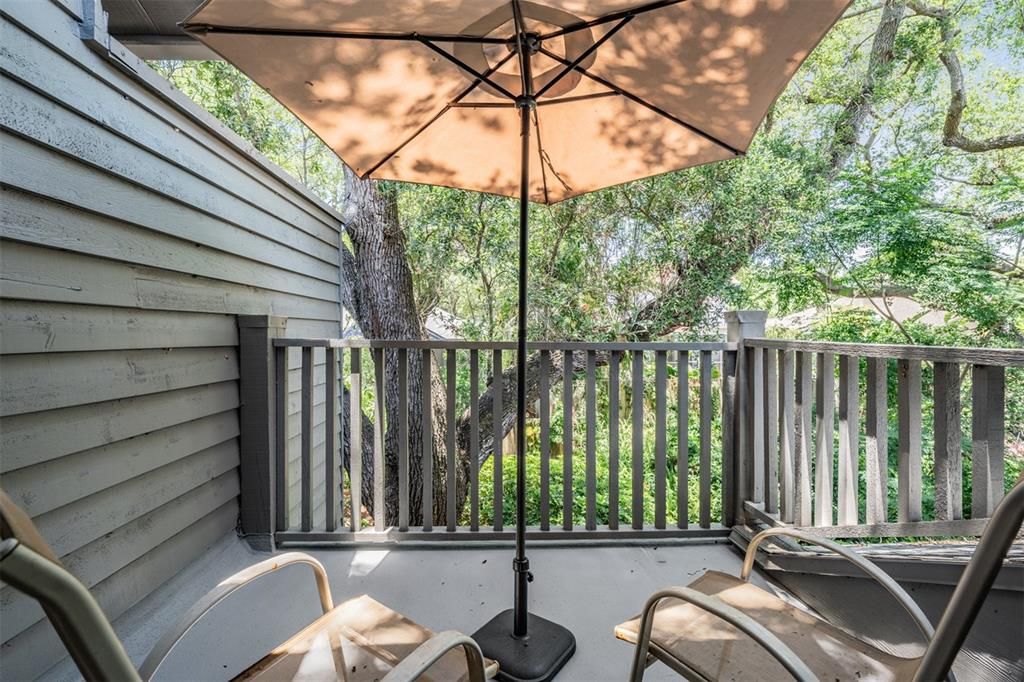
(800, 469)
(316, 500)
(629, 440)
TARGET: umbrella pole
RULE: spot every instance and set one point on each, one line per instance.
(526, 646)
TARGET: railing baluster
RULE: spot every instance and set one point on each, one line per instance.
(498, 434)
(306, 454)
(849, 438)
(683, 439)
(613, 439)
(948, 434)
(474, 440)
(637, 408)
(379, 415)
(988, 432)
(330, 436)
(787, 437)
(427, 452)
(355, 439)
(771, 433)
(825, 406)
(450, 470)
(660, 456)
(403, 439)
(909, 407)
(545, 439)
(567, 491)
(281, 439)
(804, 405)
(876, 442)
(730, 437)
(591, 473)
(704, 502)
(757, 419)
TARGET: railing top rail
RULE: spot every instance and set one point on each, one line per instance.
(1006, 357)
(506, 345)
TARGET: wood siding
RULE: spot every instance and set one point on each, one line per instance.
(133, 229)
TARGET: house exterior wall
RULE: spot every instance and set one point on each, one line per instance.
(133, 229)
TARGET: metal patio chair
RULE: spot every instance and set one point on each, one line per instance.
(724, 627)
(358, 640)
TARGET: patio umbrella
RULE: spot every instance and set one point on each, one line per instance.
(470, 93)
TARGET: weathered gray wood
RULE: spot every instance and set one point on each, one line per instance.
(804, 447)
(1006, 357)
(439, 344)
(909, 411)
(307, 439)
(948, 437)
(450, 379)
(403, 439)
(544, 383)
(26, 218)
(331, 430)
(730, 443)
(280, 439)
(427, 451)
(498, 508)
(41, 274)
(704, 503)
(876, 444)
(755, 466)
(926, 529)
(771, 432)
(683, 438)
(33, 383)
(591, 453)
(53, 484)
(38, 327)
(849, 439)
(474, 440)
(660, 424)
(355, 439)
(637, 408)
(988, 435)
(379, 417)
(613, 438)
(462, 538)
(37, 437)
(787, 437)
(825, 409)
(567, 391)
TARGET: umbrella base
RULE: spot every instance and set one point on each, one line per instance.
(535, 658)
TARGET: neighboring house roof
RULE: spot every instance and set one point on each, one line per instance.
(901, 308)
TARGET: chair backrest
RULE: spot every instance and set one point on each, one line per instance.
(15, 523)
(974, 585)
(30, 566)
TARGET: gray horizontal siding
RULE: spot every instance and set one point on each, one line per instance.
(133, 229)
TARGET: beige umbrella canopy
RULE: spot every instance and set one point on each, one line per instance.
(423, 90)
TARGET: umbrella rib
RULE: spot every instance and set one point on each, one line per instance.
(348, 35)
(483, 77)
(454, 103)
(586, 53)
(644, 103)
(612, 16)
(577, 98)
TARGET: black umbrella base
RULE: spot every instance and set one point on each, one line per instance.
(535, 658)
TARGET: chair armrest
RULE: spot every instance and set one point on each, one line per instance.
(870, 569)
(759, 633)
(222, 591)
(428, 653)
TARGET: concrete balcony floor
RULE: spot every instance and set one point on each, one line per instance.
(588, 589)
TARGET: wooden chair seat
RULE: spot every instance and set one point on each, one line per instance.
(693, 641)
(360, 640)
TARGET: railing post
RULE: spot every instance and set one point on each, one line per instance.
(737, 455)
(257, 423)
